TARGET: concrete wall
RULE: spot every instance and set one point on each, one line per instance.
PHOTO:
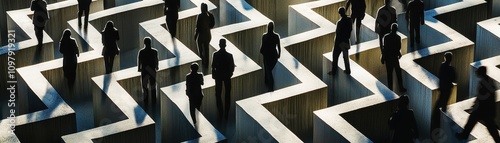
(316, 46)
(249, 41)
(84, 72)
(252, 129)
(373, 125)
(296, 112)
(488, 35)
(49, 130)
(464, 20)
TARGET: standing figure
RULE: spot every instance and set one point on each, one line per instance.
(484, 107)
(447, 76)
(415, 17)
(40, 17)
(403, 123)
(342, 42)
(391, 53)
(204, 22)
(194, 81)
(222, 71)
(270, 49)
(386, 16)
(171, 11)
(110, 50)
(83, 6)
(69, 50)
(147, 62)
(357, 14)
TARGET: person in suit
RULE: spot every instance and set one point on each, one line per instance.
(270, 49)
(171, 11)
(70, 52)
(342, 42)
(386, 16)
(484, 108)
(40, 18)
(83, 7)
(194, 81)
(447, 76)
(391, 53)
(357, 14)
(147, 62)
(204, 22)
(415, 17)
(222, 71)
(110, 37)
(403, 123)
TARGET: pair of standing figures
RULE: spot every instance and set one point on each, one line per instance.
(69, 49)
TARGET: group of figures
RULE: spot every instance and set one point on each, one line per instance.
(223, 66)
(386, 26)
(403, 121)
(222, 61)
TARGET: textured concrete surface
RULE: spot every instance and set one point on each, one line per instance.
(307, 106)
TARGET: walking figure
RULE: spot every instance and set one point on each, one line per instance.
(204, 22)
(222, 71)
(83, 7)
(357, 14)
(194, 81)
(415, 18)
(110, 37)
(70, 52)
(270, 49)
(40, 17)
(171, 11)
(447, 76)
(342, 42)
(484, 108)
(403, 123)
(386, 16)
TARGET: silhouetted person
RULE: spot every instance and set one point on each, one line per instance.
(403, 122)
(342, 42)
(415, 18)
(204, 22)
(357, 14)
(222, 71)
(147, 62)
(69, 50)
(40, 17)
(194, 81)
(171, 11)
(270, 49)
(83, 7)
(391, 53)
(386, 16)
(484, 107)
(110, 37)
(447, 76)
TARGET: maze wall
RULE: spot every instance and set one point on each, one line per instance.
(308, 105)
